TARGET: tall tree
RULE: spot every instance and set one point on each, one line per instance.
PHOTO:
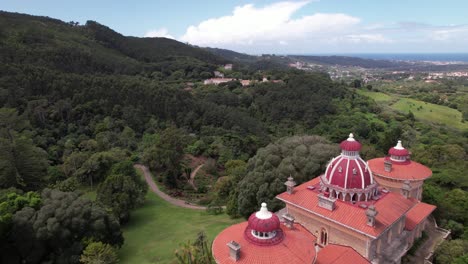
(166, 154)
(122, 191)
(22, 164)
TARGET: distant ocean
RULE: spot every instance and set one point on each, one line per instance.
(407, 56)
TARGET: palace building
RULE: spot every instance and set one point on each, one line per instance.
(356, 212)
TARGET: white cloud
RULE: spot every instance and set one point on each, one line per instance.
(450, 33)
(270, 25)
(367, 38)
(159, 33)
(277, 28)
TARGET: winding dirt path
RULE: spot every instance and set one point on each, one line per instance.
(192, 177)
(156, 190)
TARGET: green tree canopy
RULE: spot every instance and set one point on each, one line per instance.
(122, 191)
(451, 251)
(22, 164)
(302, 157)
(55, 232)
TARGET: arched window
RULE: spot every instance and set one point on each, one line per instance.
(323, 237)
(263, 235)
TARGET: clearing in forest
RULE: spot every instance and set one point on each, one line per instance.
(437, 114)
(157, 229)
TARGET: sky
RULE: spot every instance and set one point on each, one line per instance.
(281, 27)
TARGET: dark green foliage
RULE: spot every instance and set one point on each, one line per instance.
(22, 164)
(122, 191)
(166, 154)
(451, 251)
(96, 167)
(55, 231)
(147, 49)
(356, 84)
(302, 157)
(303, 99)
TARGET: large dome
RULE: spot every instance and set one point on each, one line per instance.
(348, 177)
(348, 173)
(349, 170)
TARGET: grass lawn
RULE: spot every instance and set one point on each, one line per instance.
(431, 112)
(89, 192)
(377, 96)
(157, 228)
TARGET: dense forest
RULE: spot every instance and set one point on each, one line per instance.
(80, 104)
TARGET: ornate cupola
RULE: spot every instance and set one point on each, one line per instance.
(264, 228)
(348, 177)
(399, 154)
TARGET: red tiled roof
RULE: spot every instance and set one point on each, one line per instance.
(336, 254)
(390, 208)
(417, 214)
(408, 171)
(297, 247)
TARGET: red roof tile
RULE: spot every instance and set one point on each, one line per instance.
(390, 208)
(417, 214)
(408, 171)
(336, 254)
(297, 247)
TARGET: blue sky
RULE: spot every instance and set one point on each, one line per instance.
(325, 26)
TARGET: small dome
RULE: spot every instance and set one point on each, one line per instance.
(264, 228)
(264, 220)
(398, 153)
(350, 144)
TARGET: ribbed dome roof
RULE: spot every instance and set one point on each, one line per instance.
(348, 173)
(350, 144)
(398, 150)
(264, 220)
(349, 170)
(264, 228)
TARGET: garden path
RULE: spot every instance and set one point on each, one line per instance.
(192, 177)
(156, 190)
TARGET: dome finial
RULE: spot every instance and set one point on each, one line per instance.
(351, 137)
(263, 213)
(399, 145)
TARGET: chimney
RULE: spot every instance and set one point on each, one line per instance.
(234, 250)
(326, 202)
(388, 165)
(290, 185)
(371, 213)
(406, 189)
(288, 220)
